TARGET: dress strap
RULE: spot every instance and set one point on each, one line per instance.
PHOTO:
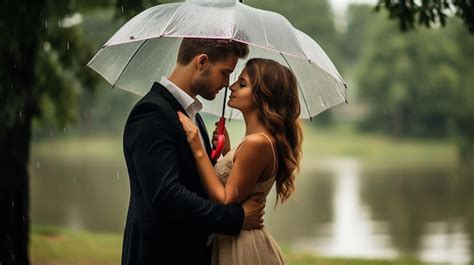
(273, 152)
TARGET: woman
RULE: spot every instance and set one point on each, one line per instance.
(266, 94)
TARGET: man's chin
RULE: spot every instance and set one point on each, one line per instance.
(209, 97)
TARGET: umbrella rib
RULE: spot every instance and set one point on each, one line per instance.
(299, 86)
(343, 93)
(263, 26)
(169, 20)
(131, 59)
(295, 32)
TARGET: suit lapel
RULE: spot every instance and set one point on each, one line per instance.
(205, 136)
(160, 89)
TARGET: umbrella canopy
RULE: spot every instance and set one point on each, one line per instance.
(146, 48)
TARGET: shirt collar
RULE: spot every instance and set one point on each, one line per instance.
(190, 104)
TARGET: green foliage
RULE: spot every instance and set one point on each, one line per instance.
(60, 73)
(464, 111)
(354, 38)
(416, 83)
(126, 9)
(44, 71)
(429, 13)
(45, 58)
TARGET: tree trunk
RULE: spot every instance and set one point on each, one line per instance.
(14, 194)
(19, 103)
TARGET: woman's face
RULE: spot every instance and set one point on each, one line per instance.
(241, 94)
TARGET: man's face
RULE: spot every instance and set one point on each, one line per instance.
(214, 77)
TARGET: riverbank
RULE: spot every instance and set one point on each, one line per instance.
(319, 143)
(59, 246)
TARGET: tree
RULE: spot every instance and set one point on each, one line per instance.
(415, 84)
(464, 110)
(44, 53)
(428, 12)
(354, 37)
(42, 71)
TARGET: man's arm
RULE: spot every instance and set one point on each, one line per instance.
(155, 160)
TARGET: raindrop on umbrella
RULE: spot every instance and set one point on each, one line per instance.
(118, 175)
(46, 24)
(67, 44)
(38, 164)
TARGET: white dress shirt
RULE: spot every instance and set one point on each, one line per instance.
(191, 105)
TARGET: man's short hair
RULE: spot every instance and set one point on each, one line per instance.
(216, 49)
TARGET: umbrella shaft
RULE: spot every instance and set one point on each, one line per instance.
(225, 99)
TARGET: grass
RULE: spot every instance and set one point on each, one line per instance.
(50, 245)
(376, 149)
(58, 246)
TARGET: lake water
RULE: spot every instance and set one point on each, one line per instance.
(341, 207)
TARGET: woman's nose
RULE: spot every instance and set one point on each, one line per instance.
(231, 87)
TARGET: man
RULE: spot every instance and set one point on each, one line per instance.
(169, 219)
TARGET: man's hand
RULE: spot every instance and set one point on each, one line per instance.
(226, 148)
(254, 210)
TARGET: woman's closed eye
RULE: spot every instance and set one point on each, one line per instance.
(242, 82)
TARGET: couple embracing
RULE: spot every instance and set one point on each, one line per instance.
(185, 208)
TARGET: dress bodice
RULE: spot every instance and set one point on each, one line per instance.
(256, 247)
(223, 168)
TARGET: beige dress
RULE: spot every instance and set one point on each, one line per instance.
(251, 247)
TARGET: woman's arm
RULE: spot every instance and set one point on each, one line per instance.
(254, 155)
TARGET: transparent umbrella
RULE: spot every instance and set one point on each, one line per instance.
(146, 47)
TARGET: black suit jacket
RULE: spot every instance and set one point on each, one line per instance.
(169, 218)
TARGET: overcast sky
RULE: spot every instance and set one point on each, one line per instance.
(339, 6)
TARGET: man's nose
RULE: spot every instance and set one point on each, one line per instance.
(226, 82)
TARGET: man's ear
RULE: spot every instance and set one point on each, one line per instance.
(202, 60)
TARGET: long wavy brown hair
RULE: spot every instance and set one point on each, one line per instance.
(275, 93)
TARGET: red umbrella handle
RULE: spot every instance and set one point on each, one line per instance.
(217, 151)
